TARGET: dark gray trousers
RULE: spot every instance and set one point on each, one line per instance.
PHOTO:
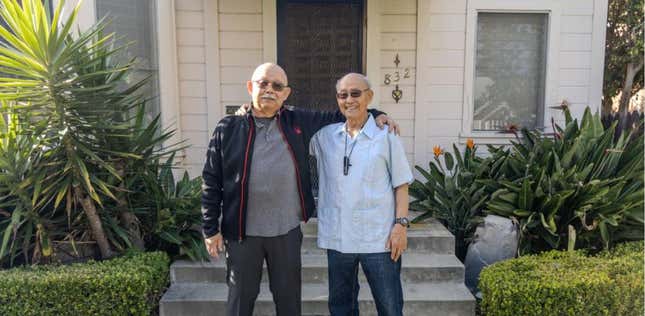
(244, 273)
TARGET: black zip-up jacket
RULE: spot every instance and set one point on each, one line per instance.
(228, 164)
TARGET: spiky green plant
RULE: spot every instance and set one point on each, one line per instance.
(75, 94)
(452, 194)
(578, 189)
(171, 211)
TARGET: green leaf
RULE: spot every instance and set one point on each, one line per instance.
(604, 233)
(522, 213)
(525, 200)
(460, 161)
(449, 160)
(62, 192)
(16, 216)
(548, 224)
(171, 237)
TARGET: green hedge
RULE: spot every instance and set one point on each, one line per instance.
(128, 285)
(566, 283)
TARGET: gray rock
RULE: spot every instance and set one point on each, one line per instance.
(495, 240)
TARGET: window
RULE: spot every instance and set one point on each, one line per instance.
(510, 66)
(134, 22)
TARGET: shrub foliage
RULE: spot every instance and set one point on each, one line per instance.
(79, 161)
(566, 283)
(129, 285)
(580, 187)
(575, 189)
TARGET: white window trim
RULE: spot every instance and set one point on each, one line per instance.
(372, 50)
(550, 7)
(598, 54)
(214, 109)
(86, 13)
(166, 53)
(168, 69)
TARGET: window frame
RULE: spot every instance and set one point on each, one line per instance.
(148, 67)
(549, 7)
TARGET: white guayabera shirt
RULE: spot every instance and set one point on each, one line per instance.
(356, 211)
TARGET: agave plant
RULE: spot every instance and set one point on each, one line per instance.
(579, 188)
(72, 90)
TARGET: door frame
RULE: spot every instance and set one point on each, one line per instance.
(371, 39)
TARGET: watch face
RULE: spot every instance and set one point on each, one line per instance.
(403, 221)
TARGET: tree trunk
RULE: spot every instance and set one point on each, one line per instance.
(95, 223)
(607, 104)
(130, 223)
(128, 219)
(626, 93)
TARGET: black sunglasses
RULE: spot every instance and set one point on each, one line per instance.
(354, 93)
(277, 86)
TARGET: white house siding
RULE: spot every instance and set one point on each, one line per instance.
(576, 54)
(398, 35)
(442, 58)
(241, 33)
(191, 65)
(440, 78)
(238, 46)
(219, 42)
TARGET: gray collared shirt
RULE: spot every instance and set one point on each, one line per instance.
(356, 211)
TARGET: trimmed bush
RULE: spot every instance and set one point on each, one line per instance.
(128, 285)
(566, 283)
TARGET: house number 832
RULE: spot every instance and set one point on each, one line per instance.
(396, 76)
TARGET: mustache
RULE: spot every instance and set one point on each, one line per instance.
(268, 96)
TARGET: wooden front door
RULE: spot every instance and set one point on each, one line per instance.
(318, 42)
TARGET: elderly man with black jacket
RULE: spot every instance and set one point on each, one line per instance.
(256, 177)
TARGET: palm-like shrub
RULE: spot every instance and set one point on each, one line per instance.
(22, 219)
(72, 92)
(78, 150)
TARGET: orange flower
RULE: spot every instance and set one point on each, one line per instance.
(470, 143)
(437, 151)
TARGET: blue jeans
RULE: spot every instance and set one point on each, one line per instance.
(383, 276)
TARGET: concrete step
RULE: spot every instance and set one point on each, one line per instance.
(429, 238)
(415, 268)
(445, 299)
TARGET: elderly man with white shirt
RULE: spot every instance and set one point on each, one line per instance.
(362, 203)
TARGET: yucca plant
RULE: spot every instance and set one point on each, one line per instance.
(148, 140)
(575, 189)
(72, 90)
(20, 220)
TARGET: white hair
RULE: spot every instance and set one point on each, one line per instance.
(355, 74)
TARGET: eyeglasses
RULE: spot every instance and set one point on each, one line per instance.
(277, 86)
(353, 93)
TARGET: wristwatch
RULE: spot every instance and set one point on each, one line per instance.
(404, 221)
